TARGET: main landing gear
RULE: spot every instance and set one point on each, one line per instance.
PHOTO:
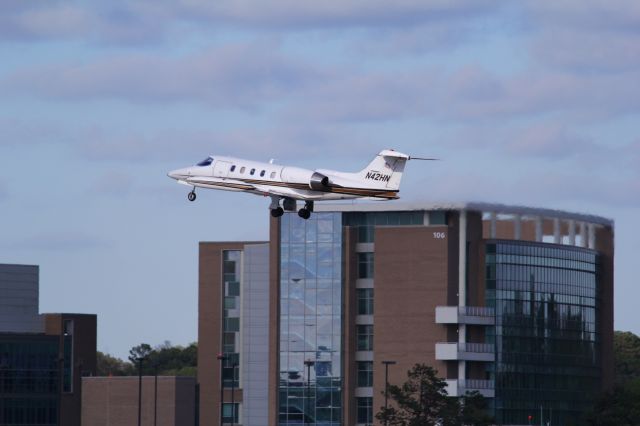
(276, 210)
(305, 212)
(289, 204)
(192, 195)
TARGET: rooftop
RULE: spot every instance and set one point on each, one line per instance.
(498, 209)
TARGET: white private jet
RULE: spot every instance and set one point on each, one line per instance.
(379, 180)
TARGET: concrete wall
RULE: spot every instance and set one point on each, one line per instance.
(113, 401)
(19, 299)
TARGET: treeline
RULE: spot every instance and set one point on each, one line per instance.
(621, 405)
(165, 359)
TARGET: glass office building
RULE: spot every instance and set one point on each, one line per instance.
(547, 339)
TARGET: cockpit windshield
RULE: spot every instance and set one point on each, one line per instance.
(206, 162)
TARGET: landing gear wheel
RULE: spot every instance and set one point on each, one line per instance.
(191, 196)
(304, 213)
(277, 212)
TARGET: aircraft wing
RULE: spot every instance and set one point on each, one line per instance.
(284, 192)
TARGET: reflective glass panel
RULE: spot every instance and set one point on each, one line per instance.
(546, 335)
(310, 326)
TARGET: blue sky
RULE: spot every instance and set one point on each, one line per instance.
(528, 102)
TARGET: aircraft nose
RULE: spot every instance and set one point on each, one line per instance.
(178, 173)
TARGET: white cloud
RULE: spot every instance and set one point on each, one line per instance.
(135, 21)
(287, 141)
(334, 13)
(232, 76)
(588, 52)
(590, 15)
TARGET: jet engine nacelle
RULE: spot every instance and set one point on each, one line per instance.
(319, 182)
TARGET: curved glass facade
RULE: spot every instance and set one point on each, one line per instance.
(546, 337)
(310, 387)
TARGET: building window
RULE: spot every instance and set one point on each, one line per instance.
(366, 222)
(233, 288)
(437, 217)
(232, 261)
(365, 337)
(365, 301)
(365, 373)
(365, 410)
(232, 324)
(230, 413)
(365, 265)
(229, 302)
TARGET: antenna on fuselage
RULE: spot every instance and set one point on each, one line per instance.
(272, 160)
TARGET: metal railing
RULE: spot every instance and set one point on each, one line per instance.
(472, 347)
(476, 384)
(476, 311)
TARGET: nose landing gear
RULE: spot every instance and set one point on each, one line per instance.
(192, 195)
(277, 212)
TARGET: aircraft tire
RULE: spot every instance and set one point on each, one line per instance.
(191, 196)
(277, 212)
(304, 213)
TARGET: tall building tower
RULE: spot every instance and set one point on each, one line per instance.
(513, 302)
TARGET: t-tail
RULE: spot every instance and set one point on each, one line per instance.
(385, 171)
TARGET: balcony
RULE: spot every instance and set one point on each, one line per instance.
(458, 387)
(454, 351)
(473, 315)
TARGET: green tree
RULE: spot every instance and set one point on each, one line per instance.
(141, 351)
(422, 401)
(619, 407)
(165, 359)
(475, 409)
(107, 365)
(626, 352)
(174, 360)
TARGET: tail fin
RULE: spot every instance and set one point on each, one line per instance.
(385, 171)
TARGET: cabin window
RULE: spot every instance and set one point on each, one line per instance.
(252, 172)
(262, 173)
(273, 175)
(242, 169)
(233, 168)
